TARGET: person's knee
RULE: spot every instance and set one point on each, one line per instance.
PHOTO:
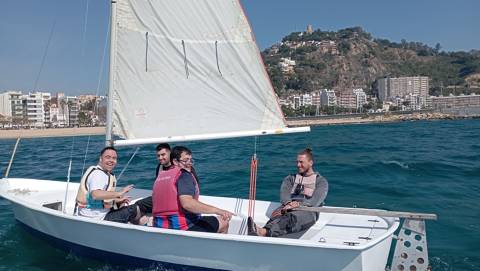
(222, 225)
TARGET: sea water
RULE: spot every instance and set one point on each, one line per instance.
(423, 166)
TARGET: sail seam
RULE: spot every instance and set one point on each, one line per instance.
(146, 52)
(216, 55)
(185, 59)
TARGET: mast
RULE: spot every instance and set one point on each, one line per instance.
(111, 72)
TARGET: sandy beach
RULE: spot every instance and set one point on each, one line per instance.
(56, 132)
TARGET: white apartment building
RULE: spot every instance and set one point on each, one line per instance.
(306, 99)
(360, 96)
(287, 65)
(391, 88)
(37, 109)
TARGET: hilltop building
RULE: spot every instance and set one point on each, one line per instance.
(287, 65)
(309, 29)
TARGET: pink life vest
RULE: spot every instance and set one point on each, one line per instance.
(165, 194)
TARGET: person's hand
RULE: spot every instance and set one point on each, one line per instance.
(123, 200)
(291, 205)
(225, 215)
(127, 188)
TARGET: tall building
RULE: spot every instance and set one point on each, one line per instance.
(347, 99)
(5, 104)
(316, 97)
(36, 108)
(73, 110)
(360, 97)
(328, 98)
(391, 88)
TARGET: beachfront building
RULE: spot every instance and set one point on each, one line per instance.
(73, 110)
(445, 102)
(390, 89)
(347, 99)
(328, 98)
(300, 100)
(36, 107)
(11, 104)
(316, 97)
(360, 97)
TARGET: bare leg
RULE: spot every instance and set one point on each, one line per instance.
(222, 225)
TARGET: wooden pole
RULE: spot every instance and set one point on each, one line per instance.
(373, 212)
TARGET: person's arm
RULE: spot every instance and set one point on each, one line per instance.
(194, 206)
(286, 189)
(319, 194)
(118, 196)
(186, 192)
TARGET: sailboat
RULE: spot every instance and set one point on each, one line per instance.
(191, 70)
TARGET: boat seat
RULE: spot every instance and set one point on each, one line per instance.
(295, 235)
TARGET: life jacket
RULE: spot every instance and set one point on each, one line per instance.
(166, 202)
(308, 184)
(84, 199)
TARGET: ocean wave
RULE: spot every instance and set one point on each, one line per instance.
(394, 162)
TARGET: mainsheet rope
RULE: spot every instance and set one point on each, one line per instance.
(253, 182)
(128, 163)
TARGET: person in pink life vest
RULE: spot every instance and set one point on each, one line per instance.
(175, 199)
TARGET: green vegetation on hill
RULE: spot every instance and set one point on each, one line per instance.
(358, 60)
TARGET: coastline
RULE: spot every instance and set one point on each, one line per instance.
(307, 121)
(52, 132)
(360, 119)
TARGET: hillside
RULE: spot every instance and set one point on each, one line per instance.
(351, 58)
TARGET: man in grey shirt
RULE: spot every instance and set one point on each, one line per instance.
(305, 188)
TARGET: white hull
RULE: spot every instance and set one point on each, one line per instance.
(320, 248)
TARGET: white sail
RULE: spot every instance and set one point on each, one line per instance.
(188, 68)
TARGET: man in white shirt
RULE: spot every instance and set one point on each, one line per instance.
(97, 198)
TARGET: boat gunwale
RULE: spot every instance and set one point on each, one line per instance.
(393, 226)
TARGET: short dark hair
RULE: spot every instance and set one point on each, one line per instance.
(162, 146)
(177, 152)
(307, 152)
(106, 149)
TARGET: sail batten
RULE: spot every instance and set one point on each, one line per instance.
(188, 68)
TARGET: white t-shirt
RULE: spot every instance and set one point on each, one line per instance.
(98, 180)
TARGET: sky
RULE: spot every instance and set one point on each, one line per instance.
(76, 38)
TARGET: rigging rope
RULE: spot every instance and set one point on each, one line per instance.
(84, 38)
(68, 174)
(253, 182)
(45, 55)
(128, 163)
